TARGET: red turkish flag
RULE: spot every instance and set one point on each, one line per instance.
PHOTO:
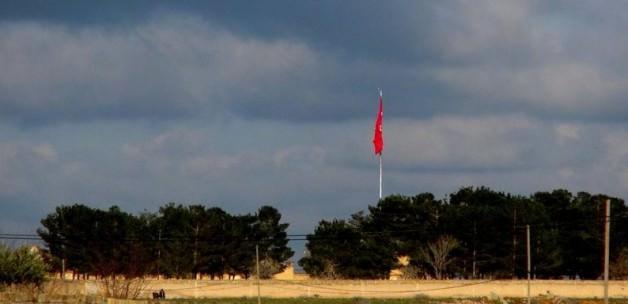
(378, 138)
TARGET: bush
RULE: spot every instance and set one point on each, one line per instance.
(21, 266)
(122, 288)
(619, 268)
(412, 272)
(269, 267)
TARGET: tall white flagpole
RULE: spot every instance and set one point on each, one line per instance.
(380, 176)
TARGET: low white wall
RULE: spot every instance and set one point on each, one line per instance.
(383, 289)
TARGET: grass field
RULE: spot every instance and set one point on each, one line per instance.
(57, 293)
(309, 300)
(417, 300)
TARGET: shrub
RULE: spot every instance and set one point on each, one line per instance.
(619, 268)
(21, 266)
(269, 267)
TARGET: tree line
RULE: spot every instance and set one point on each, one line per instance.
(475, 233)
(176, 242)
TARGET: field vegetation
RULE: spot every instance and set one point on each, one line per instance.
(415, 300)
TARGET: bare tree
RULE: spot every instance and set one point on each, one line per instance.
(123, 288)
(436, 254)
(619, 268)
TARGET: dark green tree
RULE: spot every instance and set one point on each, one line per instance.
(215, 239)
(118, 246)
(69, 234)
(95, 242)
(177, 241)
(481, 219)
(271, 237)
(240, 247)
(338, 249)
(406, 222)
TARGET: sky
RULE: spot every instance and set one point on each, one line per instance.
(238, 104)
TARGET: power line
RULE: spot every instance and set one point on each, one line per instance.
(309, 237)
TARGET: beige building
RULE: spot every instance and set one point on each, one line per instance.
(397, 273)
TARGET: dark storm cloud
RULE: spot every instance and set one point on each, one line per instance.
(353, 46)
(369, 27)
(310, 61)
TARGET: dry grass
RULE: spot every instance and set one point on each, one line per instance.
(417, 300)
(54, 291)
(64, 292)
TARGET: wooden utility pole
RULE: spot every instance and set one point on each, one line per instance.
(514, 243)
(529, 259)
(159, 255)
(607, 232)
(196, 252)
(259, 296)
(474, 249)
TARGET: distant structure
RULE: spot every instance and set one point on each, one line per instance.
(397, 273)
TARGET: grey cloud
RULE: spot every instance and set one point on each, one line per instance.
(55, 73)
(175, 67)
(475, 58)
(331, 172)
(20, 164)
(511, 56)
(492, 145)
(24, 173)
(479, 142)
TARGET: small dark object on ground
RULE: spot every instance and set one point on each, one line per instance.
(159, 295)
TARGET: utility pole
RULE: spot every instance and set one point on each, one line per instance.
(529, 260)
(514, 243)
(195, 252)
(607, 233)
(159, 254)
(259, 296)
(474, 249)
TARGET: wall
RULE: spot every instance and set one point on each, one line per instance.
(376, 289)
